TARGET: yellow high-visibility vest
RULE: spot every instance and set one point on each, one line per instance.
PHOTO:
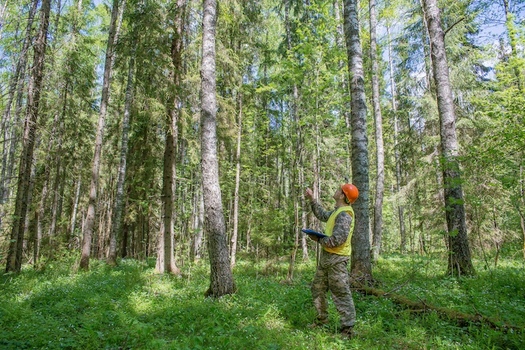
(345, 248)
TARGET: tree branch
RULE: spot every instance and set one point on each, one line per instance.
(461, 318)
(452, 26)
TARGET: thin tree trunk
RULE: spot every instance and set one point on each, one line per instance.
(522, 201)
(166, 257)
(221, 277)
(459, 260)
(198, 224)
(400, 208)
(75, 208)
(303, 204)
(297, 160)
(2, 14)
(233, 250)
(361, 263)
(14, 257)
(114, 27)
(40, 215)
(380, 153)
(116, 222)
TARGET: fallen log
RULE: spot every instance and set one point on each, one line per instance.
(463, 319)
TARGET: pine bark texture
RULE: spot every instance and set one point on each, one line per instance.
(361, 264)
(14, 257)
(459, 260)
(221, 277)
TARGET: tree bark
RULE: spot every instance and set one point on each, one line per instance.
(233, 250)
(361, 265)
(8, 130)
(108, 68)
(400, 208)
(221, 277)
(459, 259)
(116, 221)
(380, 152)
(197, 226)
(14, 257)
(166, 256)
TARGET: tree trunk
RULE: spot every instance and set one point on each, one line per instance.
(75, 208)
(400, 208)
(380, 153)
(361, 265)
(166, 249)
(198, 223)
(7, 128)
(108, 68)
(233, 250)
(522, 205)
(14, 257)
(459, 260)
(116, 221)
(221, 277)
(296, 152)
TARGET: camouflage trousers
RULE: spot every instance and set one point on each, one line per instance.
(333, 277)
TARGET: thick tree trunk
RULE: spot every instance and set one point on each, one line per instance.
(221, 277)
(108, 68)
(459, 260)
(14, 257)
(116, 221)
(380, 153)
(361, 263)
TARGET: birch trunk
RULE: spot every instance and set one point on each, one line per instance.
(233, 250)
(361, 265)
(380, 153)
(400, 208)
(459, 259)
(221, 277)
(116, 222)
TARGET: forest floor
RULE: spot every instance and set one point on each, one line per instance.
(130, 307)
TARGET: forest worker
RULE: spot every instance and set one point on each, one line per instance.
(332, 274)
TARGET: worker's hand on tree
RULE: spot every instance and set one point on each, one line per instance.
(309, 194)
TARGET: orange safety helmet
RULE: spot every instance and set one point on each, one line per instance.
(351, 192)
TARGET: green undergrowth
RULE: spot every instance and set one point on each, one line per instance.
(130, 307)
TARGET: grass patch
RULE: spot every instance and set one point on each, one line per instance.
(130, 307)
